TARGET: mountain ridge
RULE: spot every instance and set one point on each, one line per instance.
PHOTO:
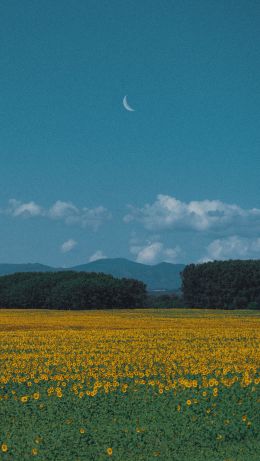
(162, 276)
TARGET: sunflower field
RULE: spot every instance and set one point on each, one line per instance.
(173, 385)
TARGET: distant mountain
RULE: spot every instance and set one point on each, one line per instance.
(163, 276)
(6, 269)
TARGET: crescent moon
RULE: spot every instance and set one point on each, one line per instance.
(126, 105)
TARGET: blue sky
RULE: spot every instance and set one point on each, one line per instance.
(81, 177)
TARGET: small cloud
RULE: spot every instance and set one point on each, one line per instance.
(85, 217)
(62, 210)
(233, 247)
(68, 246)
(155, 252)
(149, 254)
(29, 209)
(97, 255)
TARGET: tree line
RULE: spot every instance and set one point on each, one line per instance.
(70, 290)
(233, 284)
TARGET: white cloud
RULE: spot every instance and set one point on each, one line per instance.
(60, 210)
(85, 217)
(149, 254)
(64, 211)
(200, 216)
(233, 247)
(97, 255)
(29, 209)
(154, 252)
(68, 246)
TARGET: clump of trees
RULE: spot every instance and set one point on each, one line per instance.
(233, 284)
(70, 290)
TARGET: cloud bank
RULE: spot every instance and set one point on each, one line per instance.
(233, 247)
(201, 230)
(63, 211)
(168, 213)
(219, 230)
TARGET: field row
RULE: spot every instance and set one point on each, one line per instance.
(129, 385)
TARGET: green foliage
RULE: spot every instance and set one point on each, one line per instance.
(233, 284)
(70, 290)
(137, 426)
(165, 301)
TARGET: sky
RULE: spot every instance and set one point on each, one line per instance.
(82, 178)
